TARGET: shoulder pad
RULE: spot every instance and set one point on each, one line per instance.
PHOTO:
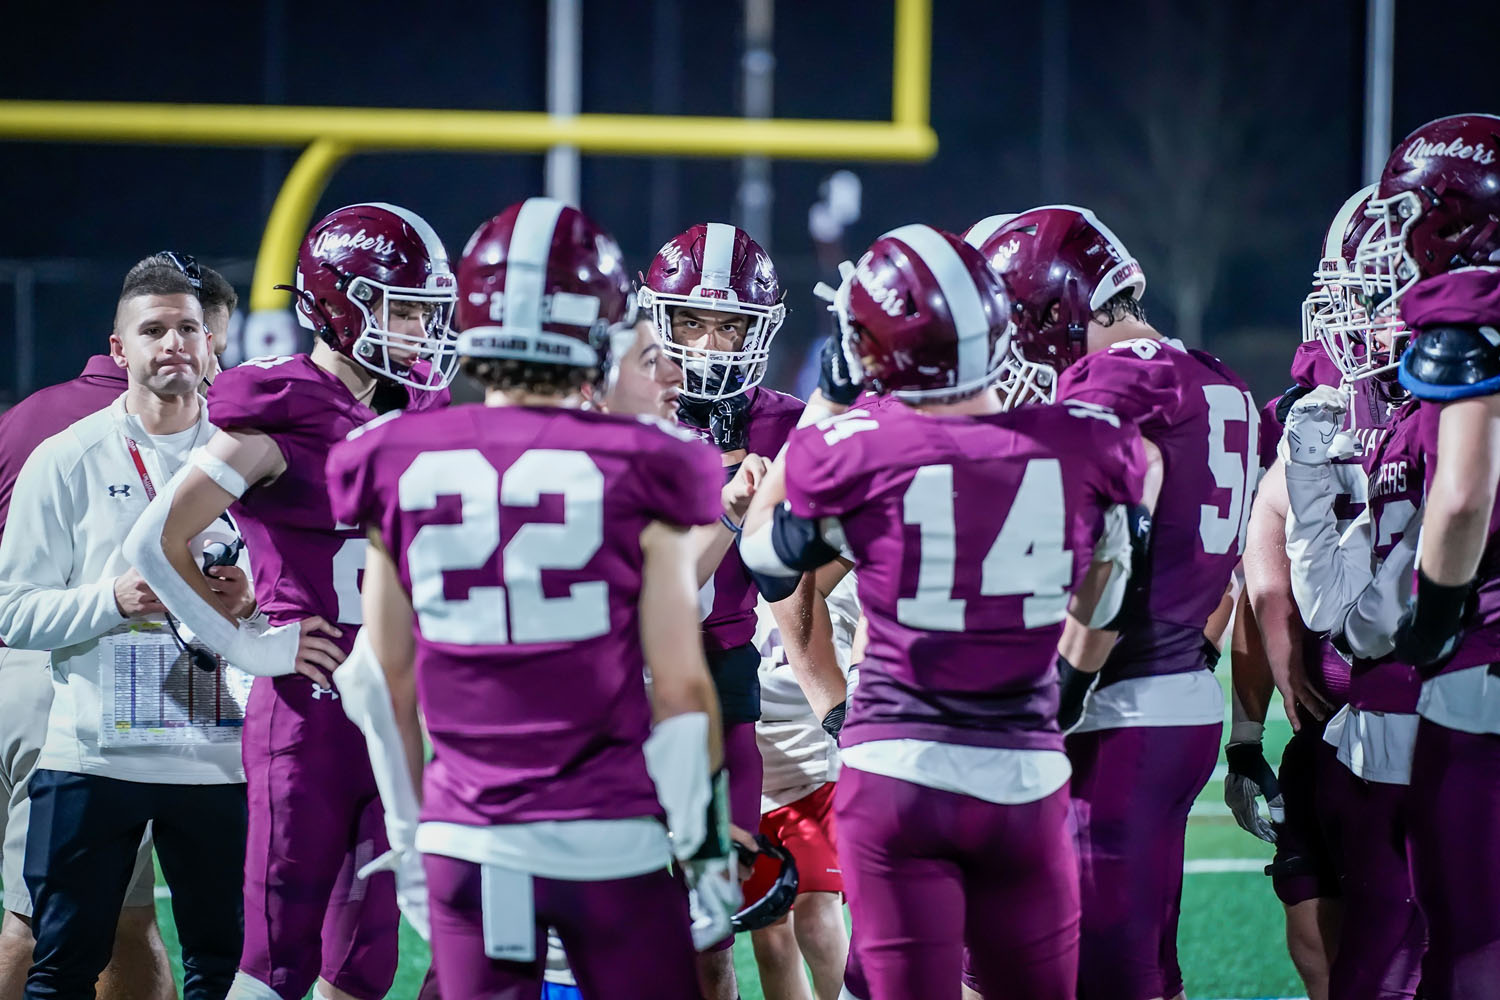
(1452, 362)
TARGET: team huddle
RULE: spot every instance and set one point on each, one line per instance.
(639, 654)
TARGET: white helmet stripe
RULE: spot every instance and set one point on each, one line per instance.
(526, 262)
(1333, 243)
(428, 236)
(959, 291)
(718, 255)
(985, 228)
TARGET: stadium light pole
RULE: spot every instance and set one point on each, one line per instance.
(1380, 43)
(564, 93)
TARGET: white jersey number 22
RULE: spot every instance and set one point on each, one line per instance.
(518, 611)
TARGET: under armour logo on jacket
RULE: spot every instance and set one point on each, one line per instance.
(120, 491)
(322, 692)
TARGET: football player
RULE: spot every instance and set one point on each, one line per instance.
(1342, 503)
(714, 296)
(800, 767)
(373, 283)
(969, 528)
(1156, 710)
(541, 553)
(1433, 259)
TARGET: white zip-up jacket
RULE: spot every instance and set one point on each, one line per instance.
(75, 501)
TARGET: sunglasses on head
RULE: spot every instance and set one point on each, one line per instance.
(188, 265)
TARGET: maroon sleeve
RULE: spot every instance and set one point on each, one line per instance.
(1135, 379)
(827, 471)
(682, 477)
(352, 474)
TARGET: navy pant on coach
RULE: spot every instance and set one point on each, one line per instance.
(80, 848)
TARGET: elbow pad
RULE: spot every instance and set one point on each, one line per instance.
(786, 547)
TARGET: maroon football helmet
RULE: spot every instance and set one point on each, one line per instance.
(717, 267)
(358, 266)
(924, 316)
(1055, 256)
(1436, 209)
(541, 282)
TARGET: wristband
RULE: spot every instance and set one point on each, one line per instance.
(833, 722)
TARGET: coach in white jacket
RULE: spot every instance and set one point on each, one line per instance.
(137, 732)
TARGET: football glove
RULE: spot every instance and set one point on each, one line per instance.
(1433, 625)
(726, 420)
(712, 872)
(713, 899)
(1250, 776)
(1313, 424)
(838, 381)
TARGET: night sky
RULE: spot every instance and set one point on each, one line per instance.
(1217, 139)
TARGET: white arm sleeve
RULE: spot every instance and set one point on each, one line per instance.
(1328, 571)
(1370, 626)
(367, 701)
(677, 759)
(38, 608)
(1113, 547)
(268, 653)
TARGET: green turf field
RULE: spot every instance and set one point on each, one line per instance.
(1231, 936)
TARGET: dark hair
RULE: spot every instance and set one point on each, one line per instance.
(153, 277)
(217, 293)
(1123, 304)
(536, 377)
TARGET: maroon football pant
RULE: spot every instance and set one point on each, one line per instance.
(626, 939)
(315, 820)
(1382, 935)
(1453, 827)
(929, 872)
(1132, 789)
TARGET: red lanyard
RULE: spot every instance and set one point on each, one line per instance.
(140, 467)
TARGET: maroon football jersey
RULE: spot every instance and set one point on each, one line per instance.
(969, 533)
(305, 562)
(731, 594)
(1204, 420)
(517, 532)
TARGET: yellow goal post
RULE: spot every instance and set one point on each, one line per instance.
(328, 136)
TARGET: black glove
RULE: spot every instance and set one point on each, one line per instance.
(1075, 686)
(1433, 625)
(835, 381)
(833, 722)
(726, 420)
